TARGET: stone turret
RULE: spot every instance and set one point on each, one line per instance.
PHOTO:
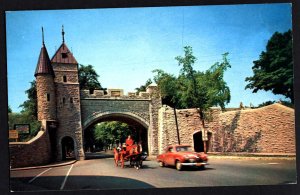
(46, 101)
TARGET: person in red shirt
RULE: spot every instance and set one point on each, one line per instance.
(129, 145)
(129, 141)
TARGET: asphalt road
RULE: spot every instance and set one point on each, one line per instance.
(101, 173)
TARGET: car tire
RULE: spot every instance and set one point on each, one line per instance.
(202, 168)
(178, 166)
(161, 164)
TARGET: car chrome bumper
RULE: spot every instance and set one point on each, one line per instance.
(194, 164)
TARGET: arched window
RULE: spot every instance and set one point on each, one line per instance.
(65, 78)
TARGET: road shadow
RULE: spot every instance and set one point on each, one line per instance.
(143, 167)
(98, 155)
(189, 169)
(45, 183)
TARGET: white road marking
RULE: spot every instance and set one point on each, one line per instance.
(273, 163)
(39, 175)
(64, 182)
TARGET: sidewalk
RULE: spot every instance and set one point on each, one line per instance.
(56, 164)
(253, 156)
(245, 155)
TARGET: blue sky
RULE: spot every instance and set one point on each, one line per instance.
(124, 45)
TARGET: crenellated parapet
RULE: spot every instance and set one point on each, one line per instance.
(113, 94)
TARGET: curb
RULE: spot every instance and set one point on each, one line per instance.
(253, 156)
(44, 166)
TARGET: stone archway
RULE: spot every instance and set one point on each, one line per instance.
(68, 148)
(139, 127)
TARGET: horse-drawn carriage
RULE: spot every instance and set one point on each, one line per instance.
(129, 153)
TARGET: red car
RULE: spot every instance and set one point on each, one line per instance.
(180, 156)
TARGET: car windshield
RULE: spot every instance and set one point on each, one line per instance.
(184, 149)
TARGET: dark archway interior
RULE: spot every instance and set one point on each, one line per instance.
(198, 143)
(138, 133)
(67, 145)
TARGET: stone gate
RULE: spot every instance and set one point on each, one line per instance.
(139, 111)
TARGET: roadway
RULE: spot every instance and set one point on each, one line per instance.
(101, 173)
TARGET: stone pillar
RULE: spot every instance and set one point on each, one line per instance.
(155, 105)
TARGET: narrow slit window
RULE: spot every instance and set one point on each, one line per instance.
(65, 78)
(48, 97)
(64, 100)
(71, 100)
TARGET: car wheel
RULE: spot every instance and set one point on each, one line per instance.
(178, 166)
(202, 167)
(161, 164)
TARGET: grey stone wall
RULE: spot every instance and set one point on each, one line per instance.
(34, 152)
(188, 123)
(270, 129)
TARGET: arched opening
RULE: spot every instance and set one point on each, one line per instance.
(67, 144)
(110, 130)
(198, 142)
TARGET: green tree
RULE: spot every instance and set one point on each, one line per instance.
(195, 89)
(29, 106)
(9, 110)
(111, 132)
(88, 78)
(143, 87)
(168, 87)
(202, 90)
(273, 71)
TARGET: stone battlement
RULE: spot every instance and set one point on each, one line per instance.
(113, 94)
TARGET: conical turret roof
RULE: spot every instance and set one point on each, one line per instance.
(44, 64)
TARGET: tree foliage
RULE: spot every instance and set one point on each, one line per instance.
(111, 132)
(194, 89)
(168, 85)
(24, 118)
(88, 78)
(9, 110)
(273, 71)
(29, 106)
(143, 87)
